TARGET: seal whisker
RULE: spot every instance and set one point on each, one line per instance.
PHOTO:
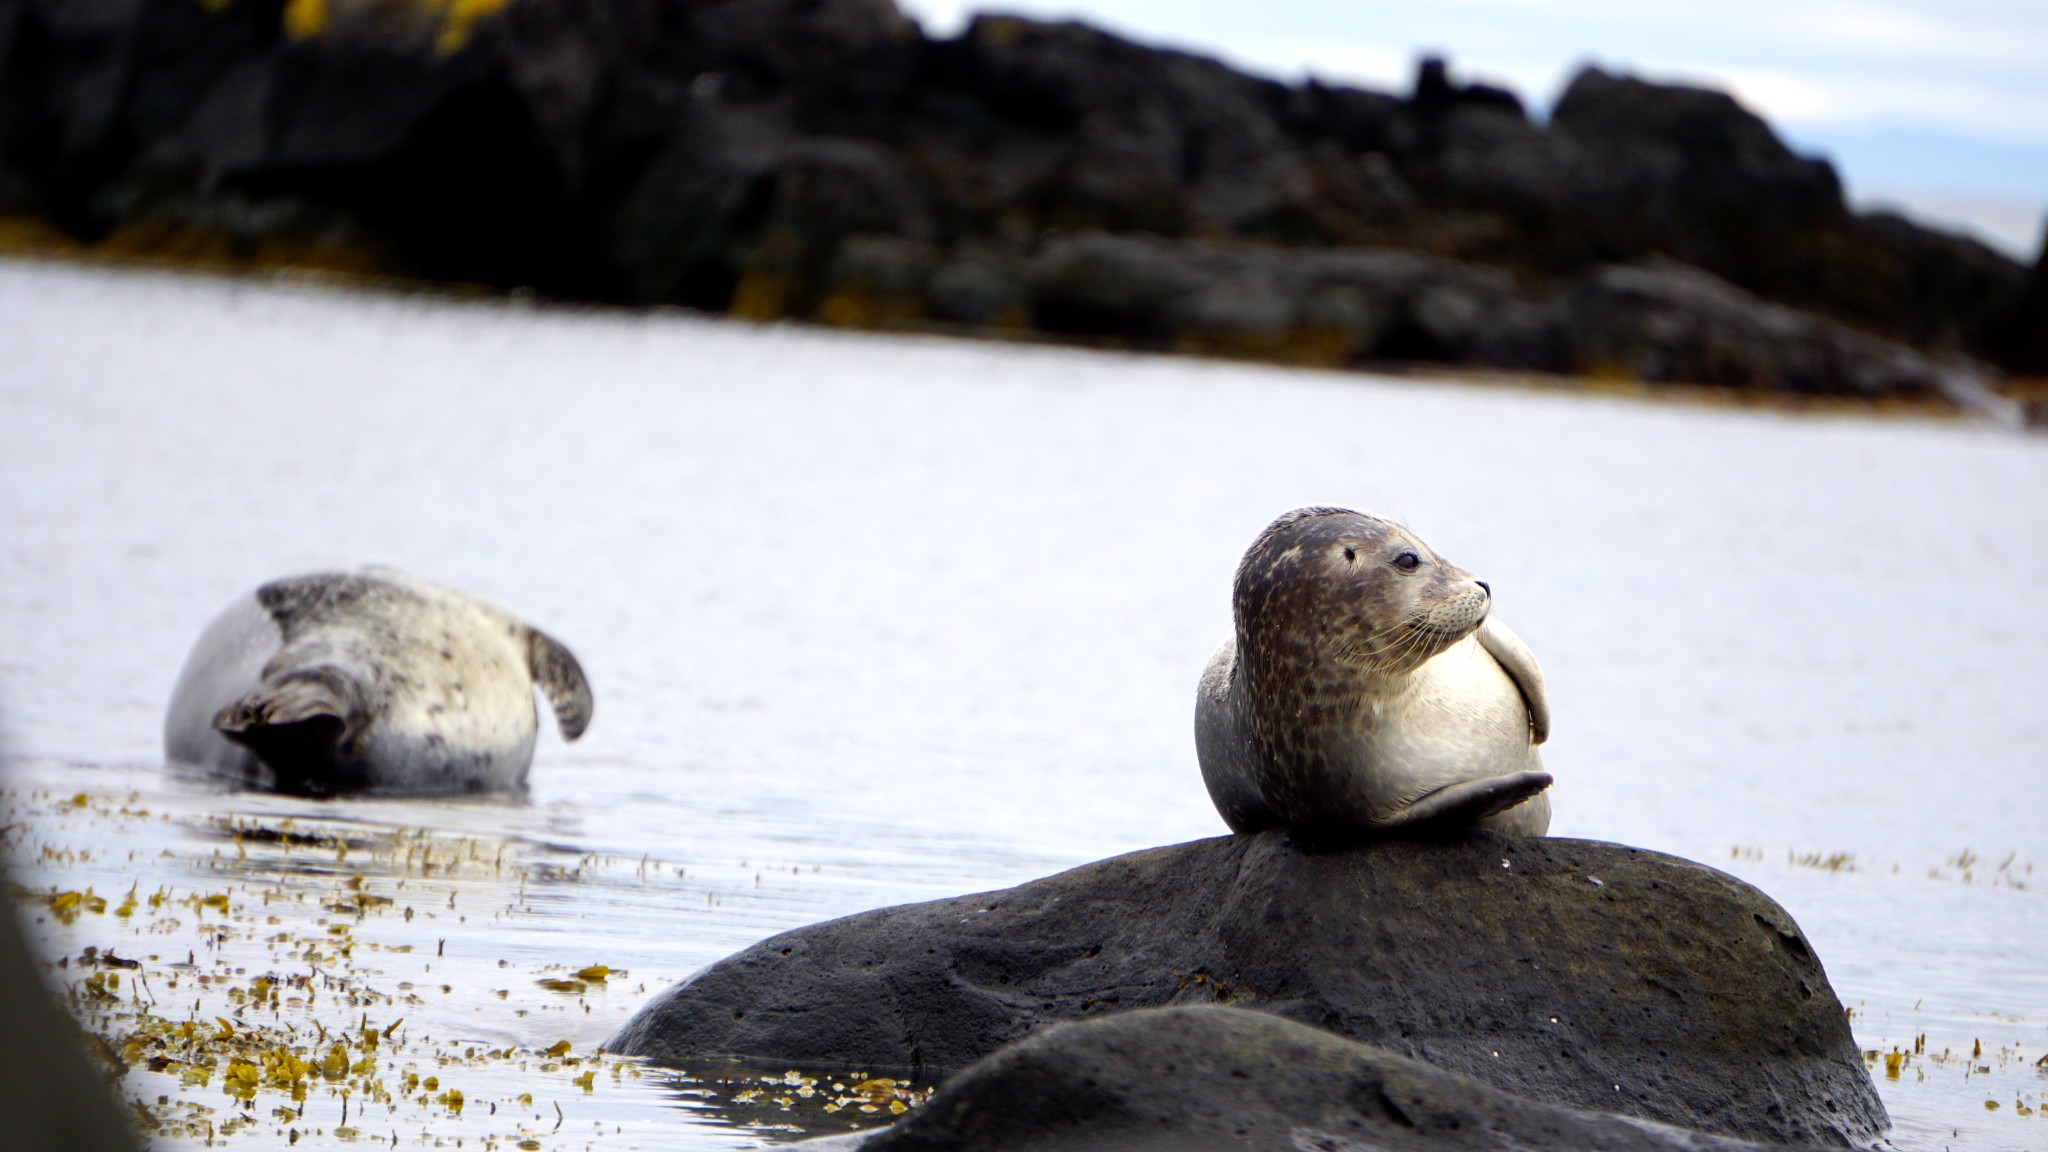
(1402, 631)
(1417, 637)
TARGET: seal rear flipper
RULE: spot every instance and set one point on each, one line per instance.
(561, 680)
(1469, 802)
(295, 724)
(319, 697)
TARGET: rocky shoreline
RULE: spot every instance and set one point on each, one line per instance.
(828, 160)
(1587, 976)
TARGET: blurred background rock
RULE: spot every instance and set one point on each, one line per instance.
(831, 160)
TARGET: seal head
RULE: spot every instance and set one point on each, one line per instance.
(1361, 692)
(371, 680)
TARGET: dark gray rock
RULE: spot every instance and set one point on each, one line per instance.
(722, 153)
(980, 285)
(1193, 1079)
(1331, 306)
(2022, 333)
(1658, 321)
(1582, 974)
(1665, 321)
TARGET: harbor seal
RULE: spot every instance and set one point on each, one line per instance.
(369, 681)
(1368, 688)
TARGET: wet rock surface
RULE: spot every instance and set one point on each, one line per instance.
(1582, 974)
(55, 1098)
(826, 159)
(1224, 1078)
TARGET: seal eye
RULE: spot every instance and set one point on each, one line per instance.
(1407, 561)
(1350, 553)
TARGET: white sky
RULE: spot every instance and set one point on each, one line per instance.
(1907, 95)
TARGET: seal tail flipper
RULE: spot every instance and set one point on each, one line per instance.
(1471, 801)
(561, 680)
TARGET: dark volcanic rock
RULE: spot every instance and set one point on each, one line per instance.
(1321, 306)
(1658, 321)
(1199, 1078)
(2022, 334)
(1665, 321)
(826, 159)
(1583, 974)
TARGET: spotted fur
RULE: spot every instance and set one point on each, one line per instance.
(370, 680)
(1362, 691)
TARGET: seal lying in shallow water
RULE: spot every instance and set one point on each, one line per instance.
(1367, 688)
(371, 680)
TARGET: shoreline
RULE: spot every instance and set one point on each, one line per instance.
(30, 241)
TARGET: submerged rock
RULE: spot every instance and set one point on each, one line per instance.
(1190, 1079)
(1583, 974)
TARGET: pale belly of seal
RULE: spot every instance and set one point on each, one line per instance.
(1463, 719)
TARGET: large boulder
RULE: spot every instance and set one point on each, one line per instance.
(1200, 1078)
(1583, 974)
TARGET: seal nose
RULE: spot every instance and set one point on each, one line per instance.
(1485, 587)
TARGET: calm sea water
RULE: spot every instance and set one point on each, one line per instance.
(878, 619)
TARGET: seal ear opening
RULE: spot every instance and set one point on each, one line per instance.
(560, 679)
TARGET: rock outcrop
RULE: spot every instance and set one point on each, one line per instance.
(826, 159)
(1657, 321)
(1582, 974)
(1195, 1079)
(2022, 336)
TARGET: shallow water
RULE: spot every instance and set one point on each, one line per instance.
(876, 619)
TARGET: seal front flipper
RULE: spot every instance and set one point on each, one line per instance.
(1519, 663)
(1469, 802)
(295, 724)
(560, 679)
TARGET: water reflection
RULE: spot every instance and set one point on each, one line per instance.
(784, 1103)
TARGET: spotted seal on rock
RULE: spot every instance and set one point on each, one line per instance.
(1368, 688)
(369, 681)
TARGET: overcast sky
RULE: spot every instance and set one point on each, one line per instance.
(1942, 106)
